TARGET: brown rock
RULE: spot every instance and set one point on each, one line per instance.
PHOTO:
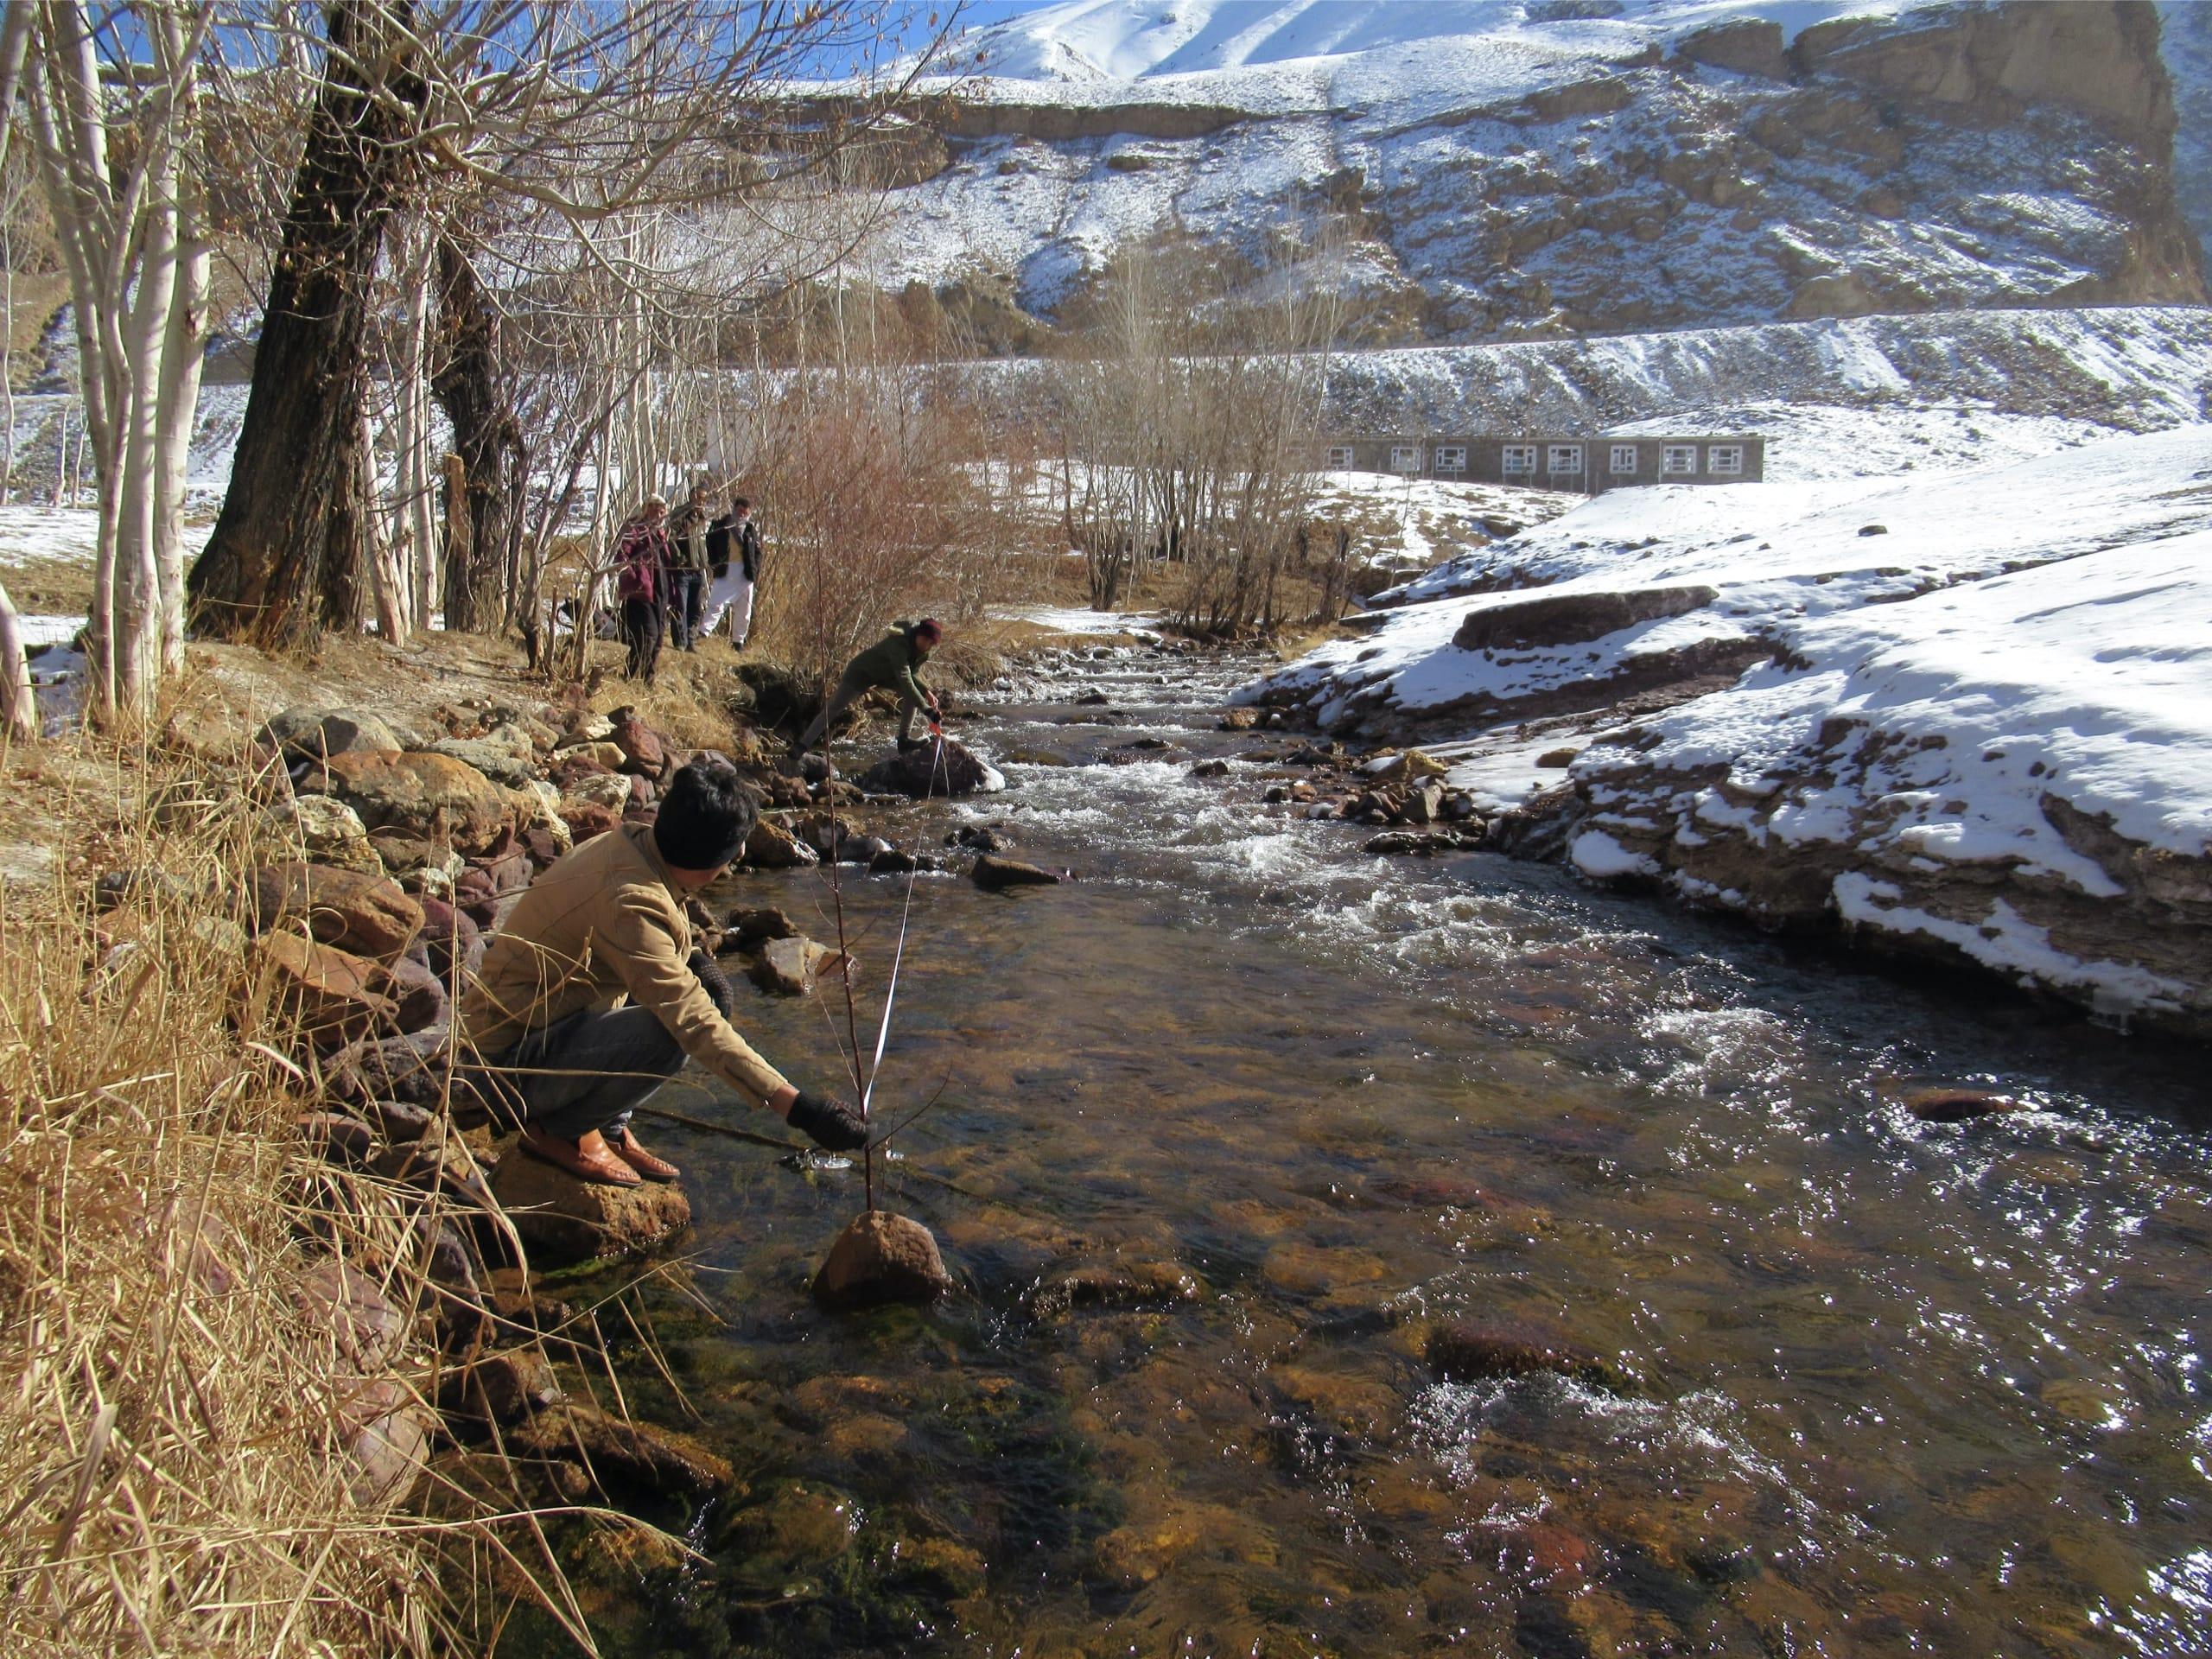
(564, 1219)
(881, 1258)
(1957, 1105)
(643, 749)
(340, 1139)
(425, 796)
(387, 1438)
(792, 967)
(749, 927)
(773, 847)
(587, 819)
(1238, 720)
(621, 1454)
(368, 1327)
(1119, 1284)
(440, 1161)
(335, 997)
(367, 915)
(449, 938)
(1467, 1351)
(418, 994)
(500, 1388)
(996, 874)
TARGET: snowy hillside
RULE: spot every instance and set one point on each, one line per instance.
(1507, 169)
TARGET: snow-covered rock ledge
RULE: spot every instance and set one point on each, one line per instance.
(1978, 727)
(2016, 773)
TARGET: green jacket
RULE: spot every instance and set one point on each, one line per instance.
(889, 664)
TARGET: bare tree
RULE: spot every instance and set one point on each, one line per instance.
(117, 157)
(541, 137)
(1189, 424)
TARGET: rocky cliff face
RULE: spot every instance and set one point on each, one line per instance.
(1622, 178)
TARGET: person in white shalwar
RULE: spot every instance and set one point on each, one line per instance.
(733, 551)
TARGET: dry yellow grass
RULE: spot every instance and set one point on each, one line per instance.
(175, 1475)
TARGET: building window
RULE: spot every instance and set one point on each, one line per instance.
(1678, 460)
(1624, 459)
(1724, 459)
(1450, 459)
(1564, 459)
(1405, 458)
(1519, 460)
(1341, 457)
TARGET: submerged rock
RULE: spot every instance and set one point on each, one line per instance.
(1956, 1105)
(624, 1453)
(1120, 1284)
(1467, 1351)
(879, 1259)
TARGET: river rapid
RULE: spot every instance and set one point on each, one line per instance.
(1224, 1127)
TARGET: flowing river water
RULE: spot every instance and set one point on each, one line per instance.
(1230, 1123)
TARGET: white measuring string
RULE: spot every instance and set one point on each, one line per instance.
(899, 956)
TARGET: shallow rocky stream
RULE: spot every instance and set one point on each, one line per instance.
(1231, 1123)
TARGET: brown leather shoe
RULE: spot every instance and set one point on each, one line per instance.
(652, 1168)
(588, 1159)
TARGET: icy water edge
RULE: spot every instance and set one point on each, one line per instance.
(1230, 1124)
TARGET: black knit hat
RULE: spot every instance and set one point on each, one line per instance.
(706, 815)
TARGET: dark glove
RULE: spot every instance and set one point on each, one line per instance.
(716, 982)
(827, 1121)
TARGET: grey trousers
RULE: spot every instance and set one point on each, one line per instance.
(586, 1072)
(846, 694)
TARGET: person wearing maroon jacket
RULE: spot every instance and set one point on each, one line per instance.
(642, 557)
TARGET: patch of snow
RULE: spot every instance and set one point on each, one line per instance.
(1598, 855)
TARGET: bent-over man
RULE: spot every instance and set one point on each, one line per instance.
(591, 995)
(890, 664)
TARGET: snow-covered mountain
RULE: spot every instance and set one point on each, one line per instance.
(1512, 167)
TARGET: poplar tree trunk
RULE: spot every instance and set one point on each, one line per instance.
(486, 440)
(285, 557)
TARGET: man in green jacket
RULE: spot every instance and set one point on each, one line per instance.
(890, 664)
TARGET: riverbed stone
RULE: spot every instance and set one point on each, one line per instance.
(635, 1455)
(996, 874)
(315, 735)
(500, 1388)
(386, 1432)
(327, 831)
(562, 1219)
(881, 1258)
(367, 915)
(792, 967)
(1467, 1351)
(924, 771)
(334, 996)
(1116, 1285)
(771, 846)
(1957, 1105)
(430, 798)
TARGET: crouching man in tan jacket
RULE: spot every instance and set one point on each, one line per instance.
(590, 995)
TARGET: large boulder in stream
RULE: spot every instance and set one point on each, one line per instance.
(881, 1259)
(923, 772)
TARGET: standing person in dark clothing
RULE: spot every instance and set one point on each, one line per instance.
(687, 534)
(733, 549)
(890, 664)
(641, 560)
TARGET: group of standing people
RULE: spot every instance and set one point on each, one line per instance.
(677, 577)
